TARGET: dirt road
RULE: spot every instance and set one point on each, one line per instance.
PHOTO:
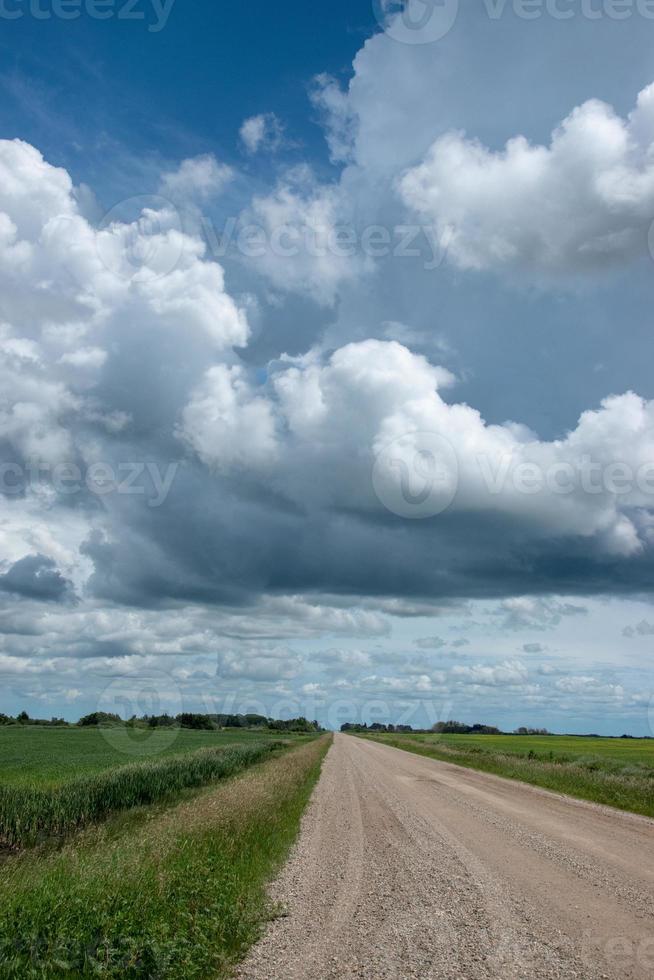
(408, 867)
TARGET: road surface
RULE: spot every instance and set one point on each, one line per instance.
(409, 867)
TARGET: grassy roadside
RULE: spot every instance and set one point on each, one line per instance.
(30, 813)
(624, 785)
(158, 893)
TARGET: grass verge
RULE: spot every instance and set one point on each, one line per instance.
(173, 893)
(599, 779)
(28, 814)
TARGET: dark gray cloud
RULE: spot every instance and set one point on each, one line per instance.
(36, 577)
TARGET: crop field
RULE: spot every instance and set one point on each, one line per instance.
(174, 889)
(31, 756)
(616, 772)
(639, 751)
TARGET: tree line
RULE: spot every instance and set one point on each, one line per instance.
(440, 728)
(187, 719)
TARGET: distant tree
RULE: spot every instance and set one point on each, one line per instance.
(255, 721)
(159, 721)
(97, 718)
(196, 721)
(450, 728)
(23, 718)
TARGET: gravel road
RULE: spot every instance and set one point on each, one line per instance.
(409, 867)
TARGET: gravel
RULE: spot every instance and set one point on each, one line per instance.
(409, 867)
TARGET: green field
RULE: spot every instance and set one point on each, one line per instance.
(30, 755)
(637, 751)
(174, 890)
(613, 771)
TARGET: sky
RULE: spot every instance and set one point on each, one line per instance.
(325, 360)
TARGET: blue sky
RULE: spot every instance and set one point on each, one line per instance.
(266, 418)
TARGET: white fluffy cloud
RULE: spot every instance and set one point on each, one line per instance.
(325, 423)
(264, 131)
(69, 291)
(339, 120)
(201, 177)
(305, 248)
(583, 202)
(226, 423)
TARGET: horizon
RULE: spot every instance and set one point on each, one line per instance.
(323, 394)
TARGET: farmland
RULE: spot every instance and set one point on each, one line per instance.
(48, 756)
(56, 782)
(175, 890)
(615, 772)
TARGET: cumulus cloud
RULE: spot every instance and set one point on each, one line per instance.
(262, 132)
(534, 648)
(507, 674)
(305, 250)
(528, 612)
(590, 688)
(36, 577)
(644, 628)
(338, 118)
(430, 642)
(226, 423)
(341, 414)
(583, 203)
(132, 349)
(201, 177)
(71, 293)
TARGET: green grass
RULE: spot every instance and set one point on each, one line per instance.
(47, 756)
(32, 813)
(636, 751)
(615, 772)
(176, 893)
